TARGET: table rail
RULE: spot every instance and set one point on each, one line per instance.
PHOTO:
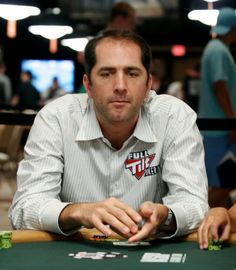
(19, 236)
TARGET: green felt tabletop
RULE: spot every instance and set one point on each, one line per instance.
(55, 255)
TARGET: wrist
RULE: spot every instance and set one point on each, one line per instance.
(169, 218)
(69, 218)
(170, 223)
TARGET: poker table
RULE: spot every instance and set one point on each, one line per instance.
(42, 250)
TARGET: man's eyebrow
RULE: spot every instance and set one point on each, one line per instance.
(107, 68)
(133, 68)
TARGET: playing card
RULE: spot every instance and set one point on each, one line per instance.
(176, 257)
(155, 257)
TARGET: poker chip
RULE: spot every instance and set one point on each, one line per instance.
(102, 238)
(214, 245)
(5, 239)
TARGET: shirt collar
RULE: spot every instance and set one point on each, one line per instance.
(90, 128)
(143, 130)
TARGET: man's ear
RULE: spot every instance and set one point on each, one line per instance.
(149, 85)
(87, 84)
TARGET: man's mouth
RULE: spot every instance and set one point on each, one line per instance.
(119, 101)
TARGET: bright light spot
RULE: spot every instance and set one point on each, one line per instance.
(210, 0)
(56, 11)
(178, 50)
(50, 31)
(17, 12)
(77, 44)
(206, 16)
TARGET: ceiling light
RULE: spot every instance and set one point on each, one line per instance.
(17, 12)
(12, 13)
(77, 44)
(52, 27)
(50, 31)
(206, 16)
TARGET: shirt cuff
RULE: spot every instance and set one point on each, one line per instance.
(49, 217)
(181, 224)
(181, 221)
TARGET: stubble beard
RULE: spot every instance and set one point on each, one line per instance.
(114, 116)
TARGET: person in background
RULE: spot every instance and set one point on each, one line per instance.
(117, 156)
(175, 89)
(217, 225)
(192, 86)
(218, 93)
(159, 82)
(5, 86)
(52, 92)
(27, 95)
(122, 16)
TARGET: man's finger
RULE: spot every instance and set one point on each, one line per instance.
(214, 232)
(134, 215)
(143, 233)
(226, 233)
(203, 233)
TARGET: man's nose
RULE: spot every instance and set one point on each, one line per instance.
(120, 82)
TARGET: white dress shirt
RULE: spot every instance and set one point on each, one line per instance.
(68, 160)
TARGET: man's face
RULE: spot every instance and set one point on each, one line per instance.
(119, 82)
(25, 77)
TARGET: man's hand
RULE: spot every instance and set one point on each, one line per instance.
(216, 226)
(155, 215)
(118, 215)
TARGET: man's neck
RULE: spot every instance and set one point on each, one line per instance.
(118, 133)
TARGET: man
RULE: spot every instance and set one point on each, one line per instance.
(116, 157)
(218, 95)
(217, 224)
(122, 16)
(52, 92)
(27, 95)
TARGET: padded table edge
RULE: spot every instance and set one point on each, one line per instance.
(20, 236)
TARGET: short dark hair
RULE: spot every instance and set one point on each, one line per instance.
(90, 49)
(122, 9)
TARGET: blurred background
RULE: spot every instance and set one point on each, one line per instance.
(176, 34)
(163, 23)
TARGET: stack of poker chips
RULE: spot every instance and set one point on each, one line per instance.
(5, 239)
(214, 245)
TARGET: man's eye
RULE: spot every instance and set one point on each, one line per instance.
(105, 74)
(133, 74)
